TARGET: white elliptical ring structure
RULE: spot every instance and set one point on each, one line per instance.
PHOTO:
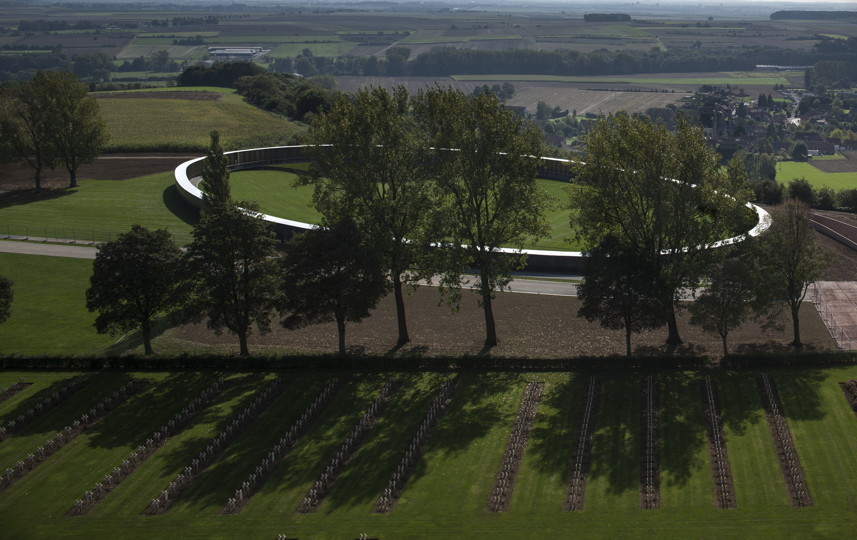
(188, 176)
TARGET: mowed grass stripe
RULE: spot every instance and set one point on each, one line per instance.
(366, 476)
(457, 472)
(756, 473)
(614, 477)
(52, 488)
(210, 491)
(135, 494)
(43, 386)
(823, 428)
(289, 481)
(541, 484)
(685, 466)
(36, 434)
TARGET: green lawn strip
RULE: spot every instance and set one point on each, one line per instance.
(101, 209)
(789, 170)
(52, 488)
(49, 315)
(686, 481)
(614, 474)
(44, 384)
(542, 481)
(37, 433)
(210, 491)
(758, 480)
(355, 492)
(824, 431)
(457, 472)
(276, 194)
(137, 491)
(283, 491)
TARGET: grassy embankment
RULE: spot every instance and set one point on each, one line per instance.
(449, 488)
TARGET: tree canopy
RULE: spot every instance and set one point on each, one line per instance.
(135, 278)
(369, 166)
(662, 195)
(330, 274)
(486, 195)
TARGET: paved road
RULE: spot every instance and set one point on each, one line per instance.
(50, 250)
(527, 286)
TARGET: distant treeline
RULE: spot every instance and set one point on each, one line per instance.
(813, 15)
(606, 17)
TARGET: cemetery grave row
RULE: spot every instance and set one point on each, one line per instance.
(578, 449)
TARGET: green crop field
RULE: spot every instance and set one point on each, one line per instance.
(789, 170)
(164, 118)
(723, 80)
(448, 489)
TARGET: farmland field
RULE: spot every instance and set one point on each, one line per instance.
(789, 170)
(448, 489)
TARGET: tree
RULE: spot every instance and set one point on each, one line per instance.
(789, 259)
(330, 274)
(26, 126)
(662, 194)
(614, 290)
(49, 121)
(486, 192)
(373, 172)
(802, 190)
(799, 151)
(6, 298)
(135, 278)
(78, 131)
(232, 260)
(727, 301)
(215, 173)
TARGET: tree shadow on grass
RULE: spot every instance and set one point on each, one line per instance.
(177, 456)
(39, 396)
(683, 431)
(145, 413)
(616, 442)
(27, 196)
(553, 435)
(133, 340)
(179, 207)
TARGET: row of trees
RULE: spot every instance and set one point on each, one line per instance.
(50, 122)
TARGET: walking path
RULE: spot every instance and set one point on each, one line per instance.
(836, 302)
(50, 250)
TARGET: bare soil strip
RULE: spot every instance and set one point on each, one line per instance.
(41, 408)
(400, 476)
(786, 453)
(286, 443)
(505, 482)
(721, 473)
(650, 483)
(319, 490)
(582, 452)
(112, 480)
(167, 496)
(69, 433)
(850, 390)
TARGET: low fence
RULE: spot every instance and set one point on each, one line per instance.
(70, 235)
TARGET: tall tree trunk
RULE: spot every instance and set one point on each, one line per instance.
(400, 310)
(340, 329)
(725, 347)
(146, 330)
(38, 180)
(628, 340)
(242, 342)
(490, 329)
(673, 337)
(72, 178)
(796, 325)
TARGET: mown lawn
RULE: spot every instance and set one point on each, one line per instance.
(447, 493)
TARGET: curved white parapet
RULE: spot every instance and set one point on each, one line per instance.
(187, 176)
